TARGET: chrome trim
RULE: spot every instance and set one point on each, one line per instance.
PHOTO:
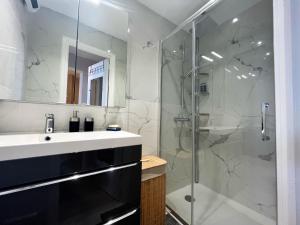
(70, 178)
(113, 221)
(193, 118)
(160, 98)
(264, 108)
(192, 18)
(49, 126)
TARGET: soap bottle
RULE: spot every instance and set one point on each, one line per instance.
(89, 124)
(74, 122)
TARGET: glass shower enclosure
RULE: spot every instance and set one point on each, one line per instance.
(218, 115)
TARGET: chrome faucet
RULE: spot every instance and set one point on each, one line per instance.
(49, 128)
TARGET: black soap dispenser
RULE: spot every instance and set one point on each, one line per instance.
(74, 125)
(89, 124)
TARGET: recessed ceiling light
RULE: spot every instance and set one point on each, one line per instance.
(217, 55)
(228, 70)
(259, 43)
(253, 75)
(128, 30)
(109, 51)
(207, 58)
(244, 76)
(268, 53)
(235, 20)
(174, 51)
(238, 77)
(237, 69)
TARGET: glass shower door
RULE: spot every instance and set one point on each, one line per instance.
(234, 115)
(176, 124)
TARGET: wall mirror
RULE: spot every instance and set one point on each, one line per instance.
(65, 51)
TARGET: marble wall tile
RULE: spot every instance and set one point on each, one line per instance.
(143, 119)
(30, 117)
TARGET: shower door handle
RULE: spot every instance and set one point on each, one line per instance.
(264, 108)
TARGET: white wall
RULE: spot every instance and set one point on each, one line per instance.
(296, 80)
(144, 80)
(43, 66)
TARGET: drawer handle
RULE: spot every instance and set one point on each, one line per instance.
(70, 178)
(113, 221)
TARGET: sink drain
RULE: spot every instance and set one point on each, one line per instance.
(188, 198)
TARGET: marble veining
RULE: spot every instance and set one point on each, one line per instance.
(267, 157)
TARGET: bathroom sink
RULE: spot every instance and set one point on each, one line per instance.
(19, 146)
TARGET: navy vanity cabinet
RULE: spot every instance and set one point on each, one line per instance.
(88, 188)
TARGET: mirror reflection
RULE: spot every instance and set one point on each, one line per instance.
(101, 55)
(75, 52)
(90, 85)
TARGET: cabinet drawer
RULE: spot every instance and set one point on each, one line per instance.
(20, 172)
(93, 198)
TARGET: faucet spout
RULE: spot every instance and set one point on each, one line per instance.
(49, 128)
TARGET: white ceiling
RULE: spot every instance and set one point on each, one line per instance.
(175, 11)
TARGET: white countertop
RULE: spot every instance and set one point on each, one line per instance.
(19, 146)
